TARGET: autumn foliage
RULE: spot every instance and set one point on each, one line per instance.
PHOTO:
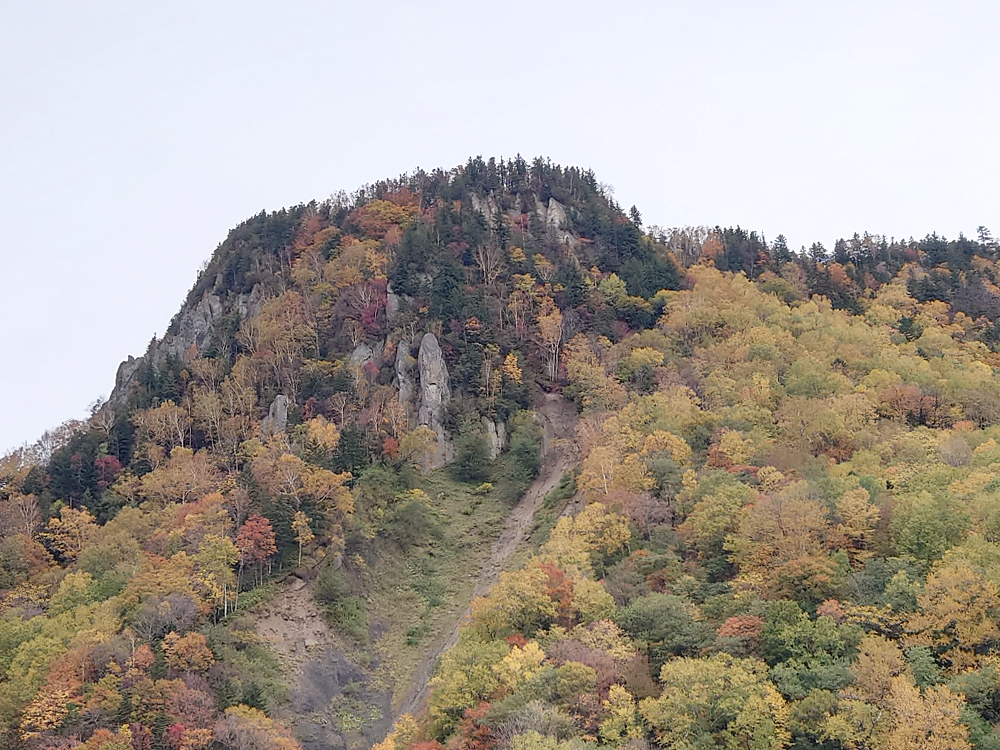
(778, 524)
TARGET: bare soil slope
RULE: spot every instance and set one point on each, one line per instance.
(333, 704)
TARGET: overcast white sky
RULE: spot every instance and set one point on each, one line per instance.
(134, 135)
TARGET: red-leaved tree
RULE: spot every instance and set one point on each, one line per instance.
(255, 541)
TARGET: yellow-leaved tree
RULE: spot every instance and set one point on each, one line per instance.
(957, 615)
(882, 709)
(721, 700)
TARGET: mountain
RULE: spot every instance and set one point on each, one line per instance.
(473, 459)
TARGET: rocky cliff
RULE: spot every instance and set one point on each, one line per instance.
(194, 330)
(435, 393)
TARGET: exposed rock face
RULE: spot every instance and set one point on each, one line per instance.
(486, 207)
(553, 216)
(490, 210)
(496, 433)
(249, 304)
(196, 324)
(126, 371)
(277, 417)
(404, 374)
(195, 329)
(391, 303)
(365, 353)
(435, 393)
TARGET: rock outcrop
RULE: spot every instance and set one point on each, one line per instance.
(487, 207)
(496, 434)
(553, 216)
(126, 372)
(193, 331)
(365, 353)
(195, 326)
(392, 303)
(404, 374)
(277, 417)
(435, 393)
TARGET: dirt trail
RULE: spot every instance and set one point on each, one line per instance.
(559, 420)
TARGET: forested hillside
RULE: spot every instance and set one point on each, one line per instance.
(777, 525)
